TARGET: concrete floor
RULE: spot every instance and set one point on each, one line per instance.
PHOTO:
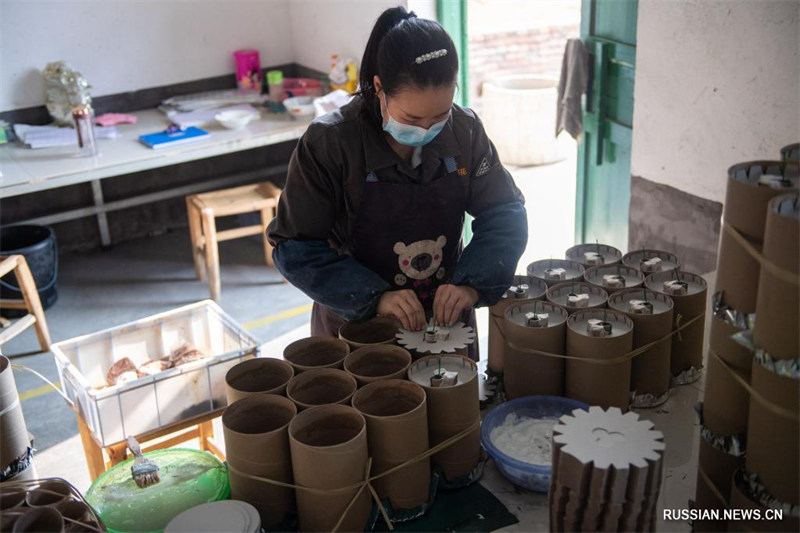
(143, 277)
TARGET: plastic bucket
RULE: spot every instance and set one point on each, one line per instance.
(38, 245)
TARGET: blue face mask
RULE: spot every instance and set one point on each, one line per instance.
(411, 135)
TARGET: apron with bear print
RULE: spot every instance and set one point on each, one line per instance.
(410, 235)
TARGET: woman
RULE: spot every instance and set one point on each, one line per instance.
(371, 217)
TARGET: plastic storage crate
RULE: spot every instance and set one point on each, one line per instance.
(163, 399)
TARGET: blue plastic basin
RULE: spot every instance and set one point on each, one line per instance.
(526, 475)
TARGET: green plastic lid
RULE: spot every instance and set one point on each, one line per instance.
(274, 77)
(188, 478)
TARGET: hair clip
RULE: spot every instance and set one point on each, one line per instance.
(431, 55)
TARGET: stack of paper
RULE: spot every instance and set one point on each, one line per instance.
(51, 136)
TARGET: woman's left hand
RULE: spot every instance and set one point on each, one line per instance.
(450, 301)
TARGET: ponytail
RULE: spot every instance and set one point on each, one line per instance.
(397, 40)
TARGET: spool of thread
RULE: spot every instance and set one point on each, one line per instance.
(530, 374)
(596, 384)
(525, 288)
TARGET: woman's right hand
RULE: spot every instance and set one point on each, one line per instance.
(404, 306)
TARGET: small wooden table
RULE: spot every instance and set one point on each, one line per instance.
(200, 427)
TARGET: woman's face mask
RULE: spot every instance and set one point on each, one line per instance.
(408, 134)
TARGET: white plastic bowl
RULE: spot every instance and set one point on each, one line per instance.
(236, 119)
(300, 106)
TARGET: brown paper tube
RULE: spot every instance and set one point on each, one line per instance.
(574, 270)
(329, 451)
(650, 371)
(746, 201)
(256, 430)
(603, 385)
(316, 352)
(722, 343)
(39, 519)
(610, 254)
(719, 467)
(687, 346)
(14, 440)
(633, 278)
(527, 289)
(75, 511)
(450, 411)
(377, 330)
(737, 273)
(725, 403)
(397, 431)
(322, 386)
(559, 295)
(11, 497)
(773, 442)
(7, 518)
(49, 493)
(778, 306)
(372, 363)
(791, 152)
(740, 500)
(263, 375)
(530, 374)
(634, 259)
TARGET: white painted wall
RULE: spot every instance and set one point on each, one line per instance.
(342, 27)
(124, 45)
(717, 83)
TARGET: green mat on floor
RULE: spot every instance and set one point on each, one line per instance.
(472, 508)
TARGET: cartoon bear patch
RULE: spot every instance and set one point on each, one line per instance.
(420, 260)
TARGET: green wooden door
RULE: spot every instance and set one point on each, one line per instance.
(608, 29)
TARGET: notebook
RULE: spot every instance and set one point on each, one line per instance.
(161, 139)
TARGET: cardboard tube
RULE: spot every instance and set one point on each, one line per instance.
(48, 494)
(257, 442)
(634, 259)
(687, 346)
(633, 278)
(329, 451)
(263, 375)
(397, 429)
(603, 385)
(39, 519)
(746, 201)
(322, 386)
(650, 371)
(377, 330)
(530, 374)
(559, 294)
(574, 270)
(740, 500)
(719, 467)
(14, 439)
(726, 402)
(773, 442)
(450, 411)
(610, 254)
(729, 350)
(737, 273)
(778, 306)
(316, 352)
(497, 346)
(74, 510)
(381, 361)
(12, 497)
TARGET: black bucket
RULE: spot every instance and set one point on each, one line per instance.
(38, 245)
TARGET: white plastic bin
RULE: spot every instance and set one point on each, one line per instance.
(519, 114)
(157, 401)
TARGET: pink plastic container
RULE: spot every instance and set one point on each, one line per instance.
(301, 87)
(248, 69)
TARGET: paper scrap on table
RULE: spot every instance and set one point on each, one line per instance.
(110, 119)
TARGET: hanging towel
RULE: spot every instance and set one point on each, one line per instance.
(572, 85)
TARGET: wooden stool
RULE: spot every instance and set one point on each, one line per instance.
(200, 427)
(30, 302)
(204, 208)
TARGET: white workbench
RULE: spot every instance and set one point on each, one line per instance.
(24, 170)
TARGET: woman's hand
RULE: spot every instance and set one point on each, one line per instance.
(405, 306)
(450, 301)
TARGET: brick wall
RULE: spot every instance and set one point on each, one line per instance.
(534, 51)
